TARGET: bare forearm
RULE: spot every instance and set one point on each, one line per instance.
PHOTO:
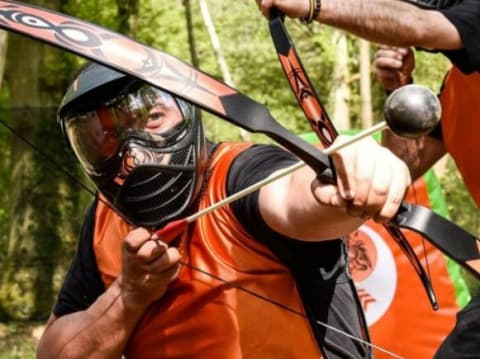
(315, 221)
(297, 213)
(391, 22)
(101, 331)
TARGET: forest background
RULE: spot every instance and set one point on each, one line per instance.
(41, 207)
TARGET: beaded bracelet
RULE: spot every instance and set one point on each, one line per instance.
(315, 7)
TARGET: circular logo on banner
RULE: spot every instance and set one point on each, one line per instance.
(373, 269)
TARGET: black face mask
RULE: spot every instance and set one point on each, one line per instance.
(144, 150)
(156, 186)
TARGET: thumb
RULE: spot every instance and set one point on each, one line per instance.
(327, 194)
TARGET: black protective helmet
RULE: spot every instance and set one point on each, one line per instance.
(144, 149)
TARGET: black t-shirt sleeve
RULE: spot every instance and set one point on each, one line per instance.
(250, 167)
(82, 284)
(465, 16)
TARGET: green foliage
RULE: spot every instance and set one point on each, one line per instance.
(162, 25)
(430, 69)
(463, 211)
(39, 208)
(5, 184)
(253, 62)
(101, 12)
(17, 341)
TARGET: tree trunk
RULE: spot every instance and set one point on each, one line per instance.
(366, 114)
(44, 208)
(191, 44)
(217, 49)
(340, 86)
(128, 11)
(3, 53)
(18, 275)
(191, 38)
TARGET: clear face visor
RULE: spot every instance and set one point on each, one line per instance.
(142, 113)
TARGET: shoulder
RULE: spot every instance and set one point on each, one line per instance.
(465, 17)
(246, 163)
(463, 12)
(250, 167)
(259, 161)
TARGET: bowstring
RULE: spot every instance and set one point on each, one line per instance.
(415, 198)
(409, 159)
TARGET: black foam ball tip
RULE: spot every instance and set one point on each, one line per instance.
(412, 111)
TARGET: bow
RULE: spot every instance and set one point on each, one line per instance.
(166, 72)
(323, 126)
(464, 248)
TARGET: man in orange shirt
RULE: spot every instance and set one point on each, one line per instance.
(264, 277)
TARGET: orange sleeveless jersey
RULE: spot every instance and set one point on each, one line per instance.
(461, 126)
(202, 317)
